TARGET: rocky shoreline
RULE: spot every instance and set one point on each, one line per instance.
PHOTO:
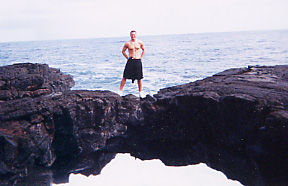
(235, 121)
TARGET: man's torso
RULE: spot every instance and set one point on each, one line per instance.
(134, 49)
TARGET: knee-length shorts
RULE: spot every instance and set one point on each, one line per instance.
(133, 69)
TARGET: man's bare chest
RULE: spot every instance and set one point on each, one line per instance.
(134, 46)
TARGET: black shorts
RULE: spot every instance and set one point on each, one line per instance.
(133, 69)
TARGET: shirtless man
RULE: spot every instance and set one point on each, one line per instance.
(133, 68)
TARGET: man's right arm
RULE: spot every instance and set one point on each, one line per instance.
(123, 51)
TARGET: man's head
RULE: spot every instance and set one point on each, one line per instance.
(133, 34)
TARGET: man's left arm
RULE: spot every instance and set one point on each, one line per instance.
(143, 49)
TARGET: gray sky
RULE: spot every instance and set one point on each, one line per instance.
(69, 19)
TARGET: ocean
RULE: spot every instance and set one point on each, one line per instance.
(98, 64)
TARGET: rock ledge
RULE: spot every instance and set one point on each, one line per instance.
(235, 121)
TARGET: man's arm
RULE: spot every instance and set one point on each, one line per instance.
(124, 49)
(143, 49)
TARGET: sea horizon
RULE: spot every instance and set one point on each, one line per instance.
(152, 35)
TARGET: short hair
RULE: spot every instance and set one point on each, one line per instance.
(132, 31)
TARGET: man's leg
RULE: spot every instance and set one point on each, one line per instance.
(123, 81)
(140, 85)
(140, 88)
(122, 84)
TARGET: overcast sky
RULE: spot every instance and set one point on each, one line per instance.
(68, 19)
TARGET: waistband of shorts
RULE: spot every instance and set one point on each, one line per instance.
(130, 58)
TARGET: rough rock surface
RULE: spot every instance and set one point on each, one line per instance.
(31, 80)
(235, 121)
